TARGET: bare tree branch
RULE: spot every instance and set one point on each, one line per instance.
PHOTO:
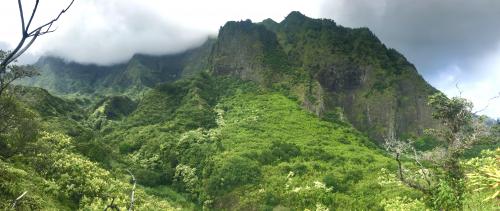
(459, 90)
(408, 182)
(21, 13)
(41, 30)
(49, 24)
(131, 207)
(424, 170)
(8, 59)
(18, 54)
(398, 147)
(487, 105)
(32, 14)
(14, 204)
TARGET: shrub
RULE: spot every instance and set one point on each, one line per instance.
(233, 172)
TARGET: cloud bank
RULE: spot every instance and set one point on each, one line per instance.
(450, 41)
(109, 32)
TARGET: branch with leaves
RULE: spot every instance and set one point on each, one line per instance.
(460, 129)
(16, 72)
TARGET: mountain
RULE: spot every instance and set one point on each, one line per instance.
(232, 145)
(338, 73)
(139, 73)
(267, 116)
(332, 70)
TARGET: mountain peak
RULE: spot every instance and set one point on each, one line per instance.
(268, 20)
(270, 24)
(296, 14)
(295, 17)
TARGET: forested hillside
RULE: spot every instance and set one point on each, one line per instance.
(140, 73)
(331, 69)
(297, 115)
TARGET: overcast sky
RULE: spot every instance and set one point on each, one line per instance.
(450, 41)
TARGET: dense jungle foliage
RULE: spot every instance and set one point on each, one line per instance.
(268, 116)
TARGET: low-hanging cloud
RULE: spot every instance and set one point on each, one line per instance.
(431, 32)
(110, 32)
(450, 41)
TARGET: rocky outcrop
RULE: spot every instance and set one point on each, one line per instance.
(330, 69)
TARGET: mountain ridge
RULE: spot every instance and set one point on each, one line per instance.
(330, 67)
(338, 73)
(139, 73)
(267, 116)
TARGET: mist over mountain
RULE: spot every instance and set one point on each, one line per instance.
(332, 70)
(439, 37)
(297, 114)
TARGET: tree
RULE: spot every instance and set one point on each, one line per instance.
(9, 72)
(442, 179)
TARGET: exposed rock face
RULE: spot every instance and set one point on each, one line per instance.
(330, 68)
(338, 73)
(248, 51)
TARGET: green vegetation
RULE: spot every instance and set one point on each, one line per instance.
(255, 148)
(132, 78)
(329, 67)
(268, 116)
(439, 173)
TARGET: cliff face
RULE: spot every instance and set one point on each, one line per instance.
(335, 72)
(248, 51)
(338, 73)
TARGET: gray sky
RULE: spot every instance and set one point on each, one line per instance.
(450, 41)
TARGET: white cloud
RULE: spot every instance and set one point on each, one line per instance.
(111, 32)
(481, 89)
(448, 40)
(107, 32)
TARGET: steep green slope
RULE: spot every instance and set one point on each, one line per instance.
(332, 70)
(38, 158)
(228, 144)
(56, 114)
(139, 73)
(266, 117)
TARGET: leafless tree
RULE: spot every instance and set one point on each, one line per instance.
(10, 73)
